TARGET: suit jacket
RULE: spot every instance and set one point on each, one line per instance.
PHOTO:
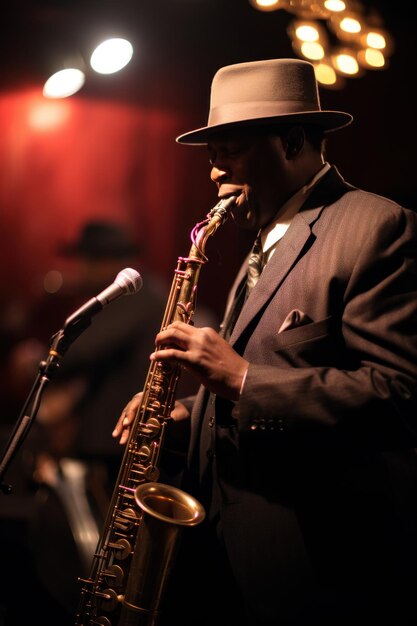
(315, 465)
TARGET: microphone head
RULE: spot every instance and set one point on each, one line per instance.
(129, 280)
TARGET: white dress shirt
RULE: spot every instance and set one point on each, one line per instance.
(277, 229)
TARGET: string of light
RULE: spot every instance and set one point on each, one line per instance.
(339, 37)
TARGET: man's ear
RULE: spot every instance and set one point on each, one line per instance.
(294, 141)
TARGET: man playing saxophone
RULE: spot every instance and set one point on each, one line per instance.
(303, 432)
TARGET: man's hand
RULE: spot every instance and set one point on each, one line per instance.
(122, 428)
(206, 355)
(203, 353)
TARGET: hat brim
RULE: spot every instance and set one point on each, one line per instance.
(328, 120)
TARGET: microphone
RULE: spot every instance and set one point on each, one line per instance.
(127, 282)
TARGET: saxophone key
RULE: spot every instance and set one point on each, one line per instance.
(125, 520)
(152, 473)
(138, 472)
(114, 575)
(121, 549)
(151, 428)
(144, 453)
(158, 389)
(108, 600)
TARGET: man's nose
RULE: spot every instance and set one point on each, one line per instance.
(219, 173)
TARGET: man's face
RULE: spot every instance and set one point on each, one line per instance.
(250, 165)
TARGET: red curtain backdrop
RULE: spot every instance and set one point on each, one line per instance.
(63, 162)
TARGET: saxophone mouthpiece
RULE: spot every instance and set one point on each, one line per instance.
(226, 203)
(222, 208)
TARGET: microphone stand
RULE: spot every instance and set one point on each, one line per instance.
(59, 344)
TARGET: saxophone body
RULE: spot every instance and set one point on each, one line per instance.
(137, 547)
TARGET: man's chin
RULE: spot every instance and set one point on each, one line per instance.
(241, 213)
(243, 218)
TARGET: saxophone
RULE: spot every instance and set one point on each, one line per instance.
(139, 540)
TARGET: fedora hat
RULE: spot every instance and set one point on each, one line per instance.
(100, 240)
(262, 92)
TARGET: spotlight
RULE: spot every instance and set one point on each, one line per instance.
(111, 56)
(64, 83)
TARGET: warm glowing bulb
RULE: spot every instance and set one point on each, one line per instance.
(266, 5)
(375, 58)
(304, 32)
(371, 58)
(325, 74)
(350, 25)
(335, 6)
(375, 40)
(347, 64)
(312, 50)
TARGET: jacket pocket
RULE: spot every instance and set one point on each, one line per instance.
(307, 332)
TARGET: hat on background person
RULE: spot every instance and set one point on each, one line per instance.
(100, 240)
(265, 92)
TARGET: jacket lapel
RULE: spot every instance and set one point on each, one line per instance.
(284, 258)
(289, 250)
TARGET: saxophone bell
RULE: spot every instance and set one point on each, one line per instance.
(166, 512)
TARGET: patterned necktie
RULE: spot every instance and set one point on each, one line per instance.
(255, 265)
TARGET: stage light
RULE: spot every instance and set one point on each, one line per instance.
(111, 56)
(64, 83)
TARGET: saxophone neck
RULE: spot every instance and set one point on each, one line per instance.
(215, 218)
